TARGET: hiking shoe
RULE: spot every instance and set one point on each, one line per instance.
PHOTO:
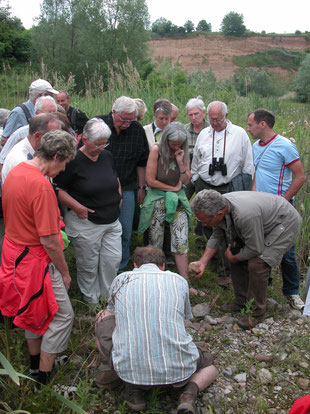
(231, 307)
(248, 323)
(223, 281)
(295, 301)
(187, 404)
(107, 379)
(134, 397)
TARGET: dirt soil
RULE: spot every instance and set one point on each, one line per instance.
(217, 51)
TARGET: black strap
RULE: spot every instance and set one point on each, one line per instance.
(35, 296)
(26, 112)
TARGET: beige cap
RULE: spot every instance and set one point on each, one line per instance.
(41, 85)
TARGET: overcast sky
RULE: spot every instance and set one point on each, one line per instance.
(269, 15)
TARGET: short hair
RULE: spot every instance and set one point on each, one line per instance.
(141, 107)
(175, 131)
(208, 201)
(162, 105)
(262, 114)
(62, 117)
(195, 102)
(124, 104)
(59, 143)
(4, 113)
(222, 105)
(96, 128)
(149, 254)
(40, 101)
(65, 92)
(39, 123)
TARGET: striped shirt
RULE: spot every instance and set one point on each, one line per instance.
(150, 342)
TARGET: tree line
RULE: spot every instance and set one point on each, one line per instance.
(92, 40)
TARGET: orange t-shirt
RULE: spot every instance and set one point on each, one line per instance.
(30, 206)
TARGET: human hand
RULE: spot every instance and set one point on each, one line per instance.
(229, 256)
(141, 195)
(199, 269)
(67, 281)
(179, 155)
(82, 212)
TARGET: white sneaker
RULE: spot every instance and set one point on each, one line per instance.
(66, 390)
(295, 301)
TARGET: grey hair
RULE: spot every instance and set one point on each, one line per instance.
(175, 131)
(141, 107)
(39, 103)
(222, 105)
(208, 201)
(4, 113)
(59, 143)
(96, 128)
(61, 109)
(125, 104)
(195, 102)
(162, 105)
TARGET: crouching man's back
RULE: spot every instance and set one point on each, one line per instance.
(150, 345)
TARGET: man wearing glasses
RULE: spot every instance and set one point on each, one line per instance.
(129, 148)
(222, 161)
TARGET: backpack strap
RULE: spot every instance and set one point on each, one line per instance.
(26, 112)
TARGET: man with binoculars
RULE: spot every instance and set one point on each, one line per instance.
(222, 160)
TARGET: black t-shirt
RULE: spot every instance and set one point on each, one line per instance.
(129, 149)
(94, 185)
(77, 119)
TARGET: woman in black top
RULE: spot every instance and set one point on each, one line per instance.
(90, 188)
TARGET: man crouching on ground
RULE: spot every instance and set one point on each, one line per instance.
(150, 346)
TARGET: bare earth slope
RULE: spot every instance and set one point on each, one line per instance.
(217, 51)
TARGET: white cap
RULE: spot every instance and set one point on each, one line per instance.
(41, 85)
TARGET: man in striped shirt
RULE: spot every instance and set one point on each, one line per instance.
(150, 345)
(279, 171)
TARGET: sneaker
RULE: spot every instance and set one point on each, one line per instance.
(134, 397)
(59, 361)
(187, 404)
(295, 301)
(66, 390)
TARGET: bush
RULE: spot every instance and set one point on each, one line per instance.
(302, 83)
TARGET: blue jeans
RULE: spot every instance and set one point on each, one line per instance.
(290, 273)
(126, 219)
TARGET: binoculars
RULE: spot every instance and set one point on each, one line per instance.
(218, 165)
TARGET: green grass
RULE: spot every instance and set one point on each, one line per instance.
(286, 59)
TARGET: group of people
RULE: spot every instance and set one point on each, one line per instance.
(98, 171)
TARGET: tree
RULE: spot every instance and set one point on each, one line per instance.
(203, 26)
(87, 37)
(232, 24)
(302, 82)
(14, 38)
(189, 26)
(163, 26)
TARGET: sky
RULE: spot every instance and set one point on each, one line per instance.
(269, 15)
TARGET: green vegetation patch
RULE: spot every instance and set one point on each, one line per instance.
(286, 59)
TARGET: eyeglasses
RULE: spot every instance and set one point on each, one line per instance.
(126, 121)
(102, 145)
(216, 119)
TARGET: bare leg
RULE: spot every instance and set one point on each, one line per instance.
(204, 377)
(46, 361)
(182, 264)
(34, 346)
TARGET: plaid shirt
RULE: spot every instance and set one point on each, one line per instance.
(192, 135)
(129, 149)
